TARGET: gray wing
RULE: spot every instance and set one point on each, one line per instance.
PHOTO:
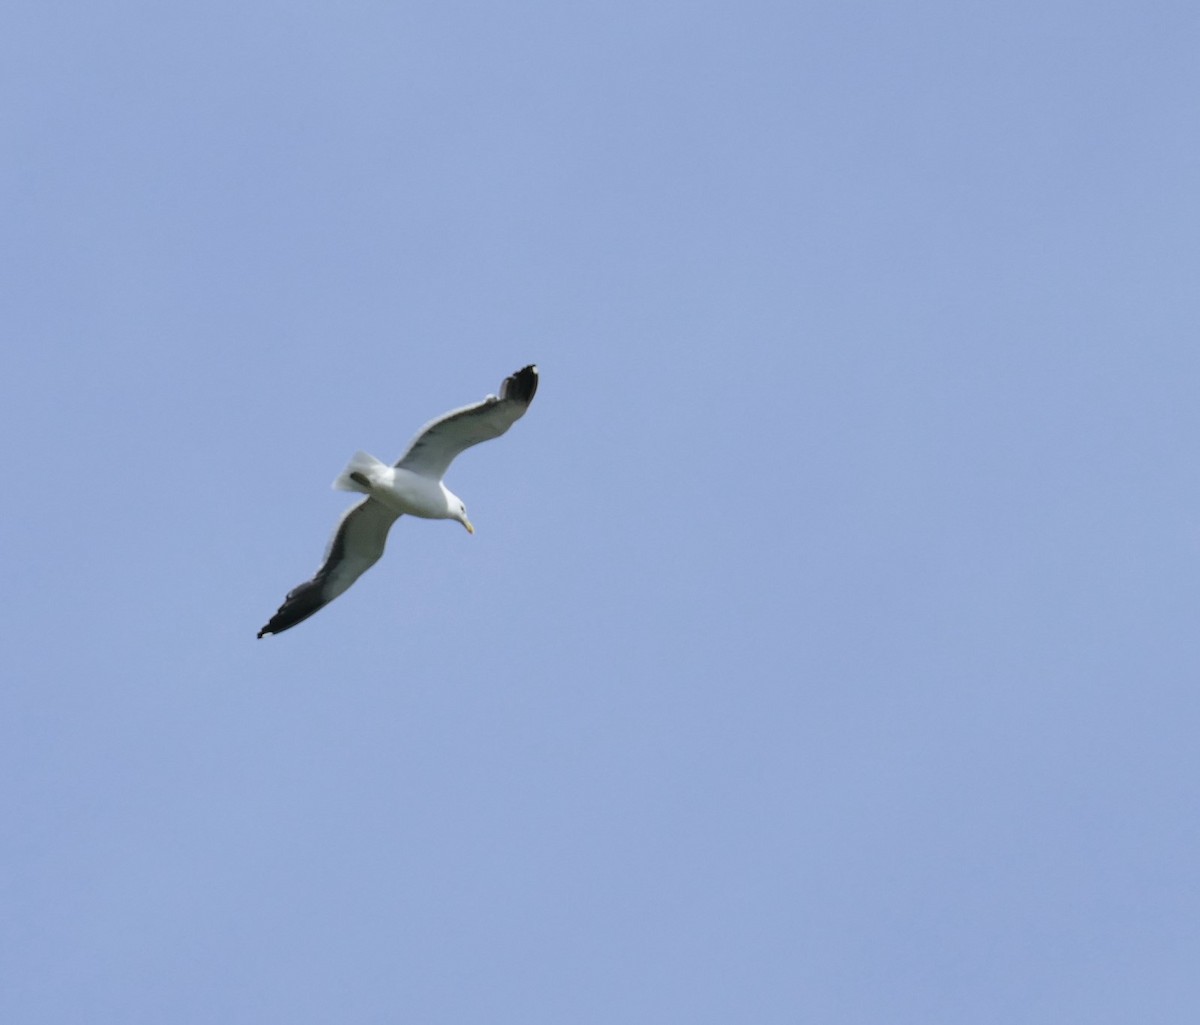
(434, 449)
(355, 547)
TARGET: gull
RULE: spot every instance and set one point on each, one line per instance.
(412, 485)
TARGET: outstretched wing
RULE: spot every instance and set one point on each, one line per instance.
(355, 547)
(434, 449)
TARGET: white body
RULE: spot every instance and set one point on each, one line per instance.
(401, 490)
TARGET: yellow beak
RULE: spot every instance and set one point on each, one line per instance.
(467, 523)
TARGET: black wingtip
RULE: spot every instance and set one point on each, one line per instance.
(301, 602)
(521, 386)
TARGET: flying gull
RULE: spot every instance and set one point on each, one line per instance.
(413, 485)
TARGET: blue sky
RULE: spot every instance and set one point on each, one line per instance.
(827, 648)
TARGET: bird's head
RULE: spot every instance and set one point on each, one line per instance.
(459, 512)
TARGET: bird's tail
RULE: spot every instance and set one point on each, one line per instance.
(360, 474)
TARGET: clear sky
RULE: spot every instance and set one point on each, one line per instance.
(827, 648)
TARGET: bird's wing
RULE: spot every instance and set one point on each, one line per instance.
(355, 547)
(440, 441)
